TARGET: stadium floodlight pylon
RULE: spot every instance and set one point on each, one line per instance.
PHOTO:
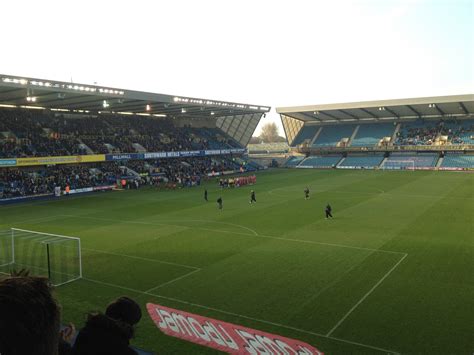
(57, 257)
(399, 165)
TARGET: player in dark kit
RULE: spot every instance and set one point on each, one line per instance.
(252, 197)
(306, 193)
(205, 195)
(328, 211)
(219, 202)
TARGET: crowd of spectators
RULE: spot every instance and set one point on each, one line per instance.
(23, 182)
(426, 133)
(26, 133)
(30, 322)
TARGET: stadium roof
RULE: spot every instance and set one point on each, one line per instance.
(426, 107)
(75, 97)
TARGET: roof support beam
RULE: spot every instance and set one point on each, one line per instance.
(414, 111)
(349, 114)
(463, 107)
(439, 110)
(329, 115)
(373, 115)
(310, 116)
(392, 112)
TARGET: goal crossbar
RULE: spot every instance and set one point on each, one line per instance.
(23, 250)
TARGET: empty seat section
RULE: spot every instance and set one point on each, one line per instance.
(370, 134)
(307, 132)
(458, 161)
(293, 161)
(331, 135)
(321, 161)
(362, 161)
(419, 160)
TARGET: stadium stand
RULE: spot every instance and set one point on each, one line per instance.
(181, 172)
(370, 134)
(463, 161)
(362, 161)
(320, 161)
(307, 133)
(26, 133)
(294, 161)
(426, 132)
(331, 135)
(421, 160)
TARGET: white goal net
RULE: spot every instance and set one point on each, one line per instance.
(395, 164)
(57, 257)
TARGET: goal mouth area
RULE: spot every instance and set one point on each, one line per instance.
(57, 257)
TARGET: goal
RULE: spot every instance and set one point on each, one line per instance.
(393, 164)
(57, 257)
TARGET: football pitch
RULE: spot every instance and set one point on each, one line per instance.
(393, 272)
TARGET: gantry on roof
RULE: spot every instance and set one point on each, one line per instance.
(424, 107)
(62, 96)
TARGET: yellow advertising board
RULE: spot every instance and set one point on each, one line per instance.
(71, 159)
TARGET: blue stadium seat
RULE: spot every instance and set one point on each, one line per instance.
(458, 161)
(307, 132)
(428, 160)
(370, 134)
(363, 161)
(331, 135)
(321, 161)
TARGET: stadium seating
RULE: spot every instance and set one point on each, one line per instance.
(293, 161)
(464, 161)
(24, 133)
(427, 160)
(331, 135)
(22, 182)
(306, 133)
(425, 132)
(320, 161)
(370, 134)
(362, 161)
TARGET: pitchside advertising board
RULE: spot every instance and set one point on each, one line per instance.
(94, 158)
(223, 336)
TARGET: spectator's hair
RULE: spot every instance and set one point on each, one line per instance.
(29, 317)
(124, 309)
(103, 335)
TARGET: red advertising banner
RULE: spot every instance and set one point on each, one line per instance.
(223, 336)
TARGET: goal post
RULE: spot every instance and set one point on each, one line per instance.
(399, 164)
(57, 257)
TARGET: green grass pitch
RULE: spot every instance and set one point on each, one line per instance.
(392, 272)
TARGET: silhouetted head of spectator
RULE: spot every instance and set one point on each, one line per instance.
(125, 310)
(103, 335)
(29, 317)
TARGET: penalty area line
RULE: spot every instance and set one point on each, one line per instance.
(365, 296)
(147, 293)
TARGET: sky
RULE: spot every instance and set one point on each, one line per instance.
(275, 53)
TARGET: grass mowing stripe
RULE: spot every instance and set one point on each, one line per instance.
(243, 234)
(240, 315)
(173, 280)
(141, 258)
(365, 296)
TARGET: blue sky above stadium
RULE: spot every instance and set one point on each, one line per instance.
(278, 53)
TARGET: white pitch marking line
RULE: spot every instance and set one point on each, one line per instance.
(245, 234)
(173, 280)
(241, 316)
(141, 258)
(365, 296)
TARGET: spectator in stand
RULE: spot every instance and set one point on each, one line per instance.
(29, 317)
(103, 335)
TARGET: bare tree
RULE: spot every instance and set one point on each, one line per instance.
(270, 133)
